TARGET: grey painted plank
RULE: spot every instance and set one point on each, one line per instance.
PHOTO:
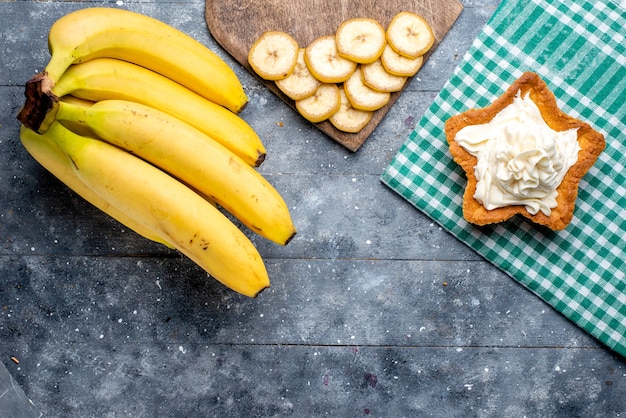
(103, 336)
(127, 379)
(311, 302)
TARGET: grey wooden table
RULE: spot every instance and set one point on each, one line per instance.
(373, 309)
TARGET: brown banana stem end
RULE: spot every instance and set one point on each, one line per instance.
(40, 102)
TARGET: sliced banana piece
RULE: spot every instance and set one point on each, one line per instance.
(347, 118)
(361, 40)
(398, 65)
(300, 84)
(410, 35)
(376, 77)
(273, 55)
(321, 105)
(363, 97)
(325, 63)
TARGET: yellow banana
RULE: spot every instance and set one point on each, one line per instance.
(191, 156)
(77, 100)
(115, 33)
(163, 204)
(108, 78)
(82, 129)
(47, 153)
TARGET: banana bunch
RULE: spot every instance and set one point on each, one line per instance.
(141, 120)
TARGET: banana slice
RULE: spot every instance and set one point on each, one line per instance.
(363, 97)
(410, 35)
(273, 55)
(325, 63)
(300, 84)
(361, 40)
(376, 77)
(398, 65)
(321, 105)
(347, 118)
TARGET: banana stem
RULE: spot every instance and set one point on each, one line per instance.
(65, 139)
(41, 103)
(57, 65)
(72, 112)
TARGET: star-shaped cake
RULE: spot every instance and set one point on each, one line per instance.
(522, 155)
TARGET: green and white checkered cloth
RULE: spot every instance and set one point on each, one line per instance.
(578, 47)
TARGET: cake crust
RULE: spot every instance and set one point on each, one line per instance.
(591, 143)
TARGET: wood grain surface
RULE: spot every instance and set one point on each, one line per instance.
(237, 24)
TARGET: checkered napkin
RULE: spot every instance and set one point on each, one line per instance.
(579, 48)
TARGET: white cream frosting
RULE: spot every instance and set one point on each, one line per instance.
(521, 160)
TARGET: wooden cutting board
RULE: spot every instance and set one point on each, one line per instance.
(236, 24)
